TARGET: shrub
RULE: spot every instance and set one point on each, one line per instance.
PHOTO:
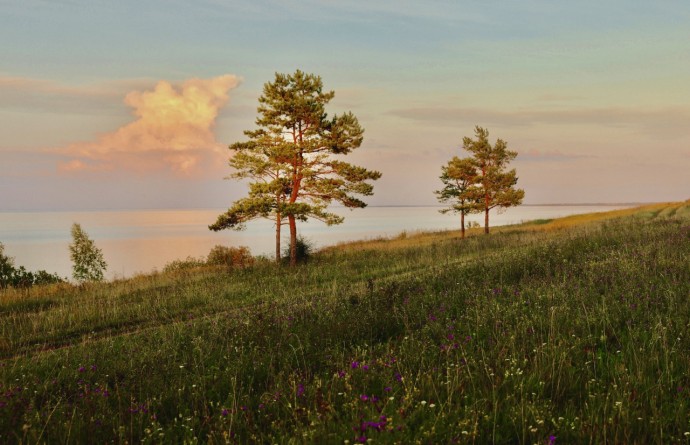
(6, 268)
(186, 264)
(231, 257)
(305, 249)
(20, 277)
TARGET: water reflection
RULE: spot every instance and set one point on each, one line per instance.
(140, 241)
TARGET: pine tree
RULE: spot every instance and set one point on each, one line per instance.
(292, 160)
(459, 177)
(496, 185)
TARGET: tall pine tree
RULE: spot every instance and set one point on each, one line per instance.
(292, 160)
(496, 185)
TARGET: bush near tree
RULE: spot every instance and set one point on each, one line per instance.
(11, 276)
(231, 257)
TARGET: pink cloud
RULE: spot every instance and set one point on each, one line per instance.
(173, 131)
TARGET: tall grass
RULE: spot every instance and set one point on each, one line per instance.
(568, 331)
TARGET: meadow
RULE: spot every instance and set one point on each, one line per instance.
(572, 330)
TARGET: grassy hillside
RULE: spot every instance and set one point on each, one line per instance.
(572, 330)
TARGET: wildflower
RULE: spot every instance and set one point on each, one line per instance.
(342, 374)
(398, 377)
(300, 390)
(82, 369)
(364, 397)
(388, 389)
(224, 413)
(354, 365)
(552, 440)
(365, 367)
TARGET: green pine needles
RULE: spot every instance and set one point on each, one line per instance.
(481, 182)
(292, 161)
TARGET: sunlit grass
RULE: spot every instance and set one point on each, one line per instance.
(566, 331)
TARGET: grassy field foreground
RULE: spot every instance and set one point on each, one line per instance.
(574, 330)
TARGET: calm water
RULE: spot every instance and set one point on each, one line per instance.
(142, 240)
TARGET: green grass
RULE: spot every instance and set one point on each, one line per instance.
(573, 330)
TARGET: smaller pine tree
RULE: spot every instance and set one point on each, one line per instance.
(87, 259)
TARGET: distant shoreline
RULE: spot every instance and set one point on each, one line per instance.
(588, 204)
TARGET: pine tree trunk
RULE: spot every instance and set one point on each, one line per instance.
(486, 220)
(293, 240)
(462, 224)
(278, 221)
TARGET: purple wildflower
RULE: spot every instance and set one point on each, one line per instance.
(552, 440)
(354, 365)
(300, 390)
(224, 413)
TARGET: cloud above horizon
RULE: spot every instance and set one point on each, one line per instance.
(173, 131)
(669, 122)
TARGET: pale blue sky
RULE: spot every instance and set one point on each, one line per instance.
(594, 95)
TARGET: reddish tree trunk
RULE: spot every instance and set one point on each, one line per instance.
(486, 220)
(293, 240)
(278, 221)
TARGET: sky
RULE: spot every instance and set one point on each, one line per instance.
(132, 104)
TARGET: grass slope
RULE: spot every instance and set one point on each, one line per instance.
(573, 330)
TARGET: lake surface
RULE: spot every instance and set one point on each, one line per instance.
(143, 240)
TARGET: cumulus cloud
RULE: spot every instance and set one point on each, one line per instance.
(173, 131)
